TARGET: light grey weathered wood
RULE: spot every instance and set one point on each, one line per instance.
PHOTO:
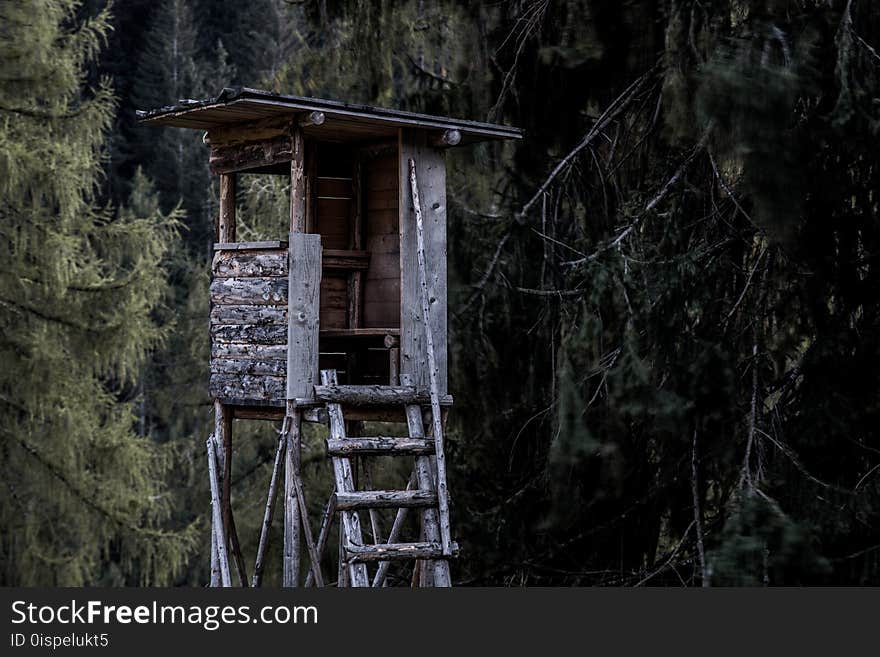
(303, 315)
(217, 515)
(383, 499)
(379, 445)
(432, 366)
(432, 189)
(291, 559)
(397, 551)
(245, 386)
(351, 524)
(254, 334)
(374, 395)
(248, 314)
(250, 350)
(252, 264)
(258, 291)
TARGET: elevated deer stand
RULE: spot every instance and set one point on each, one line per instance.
(342, 322)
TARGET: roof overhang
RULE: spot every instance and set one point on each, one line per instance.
(343, 121)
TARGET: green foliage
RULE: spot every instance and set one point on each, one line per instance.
(84, 499)
(760, 545)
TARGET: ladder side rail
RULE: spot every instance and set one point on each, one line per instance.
(351, 524)
(425, 479)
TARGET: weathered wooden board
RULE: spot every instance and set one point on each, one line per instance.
(266, 335)
(250, 350)
(237, 133)
(248, 314)
(334, 301)
(374, 395)
(431, 173)
(396, 551)
(346, 259)
(246, 387)
(250, 246)
(251, 264)
(383, 499)
(303, 314)
(379, 445)
(381, 293)
(242, 366)
(227, 158)
(265, 263)
(251, 291)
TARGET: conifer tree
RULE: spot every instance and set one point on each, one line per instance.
(84, 500)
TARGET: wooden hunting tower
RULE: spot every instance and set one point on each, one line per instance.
(341, 319)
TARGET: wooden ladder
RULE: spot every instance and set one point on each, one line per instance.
(422, 491)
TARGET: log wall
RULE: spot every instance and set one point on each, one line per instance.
(249, 326)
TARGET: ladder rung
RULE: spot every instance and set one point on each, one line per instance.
(384, 499)
(379, 445)
(398, 551)
(375, 395)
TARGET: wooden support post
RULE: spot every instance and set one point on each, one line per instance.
(324, 534)
(223, 447)
(442, 492)
(314, 558)
(292, 426)
(311, 185)
(217, 514)
(297, 182)
(226, 226)
(270, 510)
(215, 559)
(304, 282)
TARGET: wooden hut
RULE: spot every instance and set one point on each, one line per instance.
(340, 319)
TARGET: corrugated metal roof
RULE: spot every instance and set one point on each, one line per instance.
(347, 120)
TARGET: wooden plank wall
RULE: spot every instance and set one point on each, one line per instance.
(333, 217)
(431, 174)
(382, 284)
(302, 337)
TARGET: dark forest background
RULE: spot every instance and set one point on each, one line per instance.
(665, 329)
